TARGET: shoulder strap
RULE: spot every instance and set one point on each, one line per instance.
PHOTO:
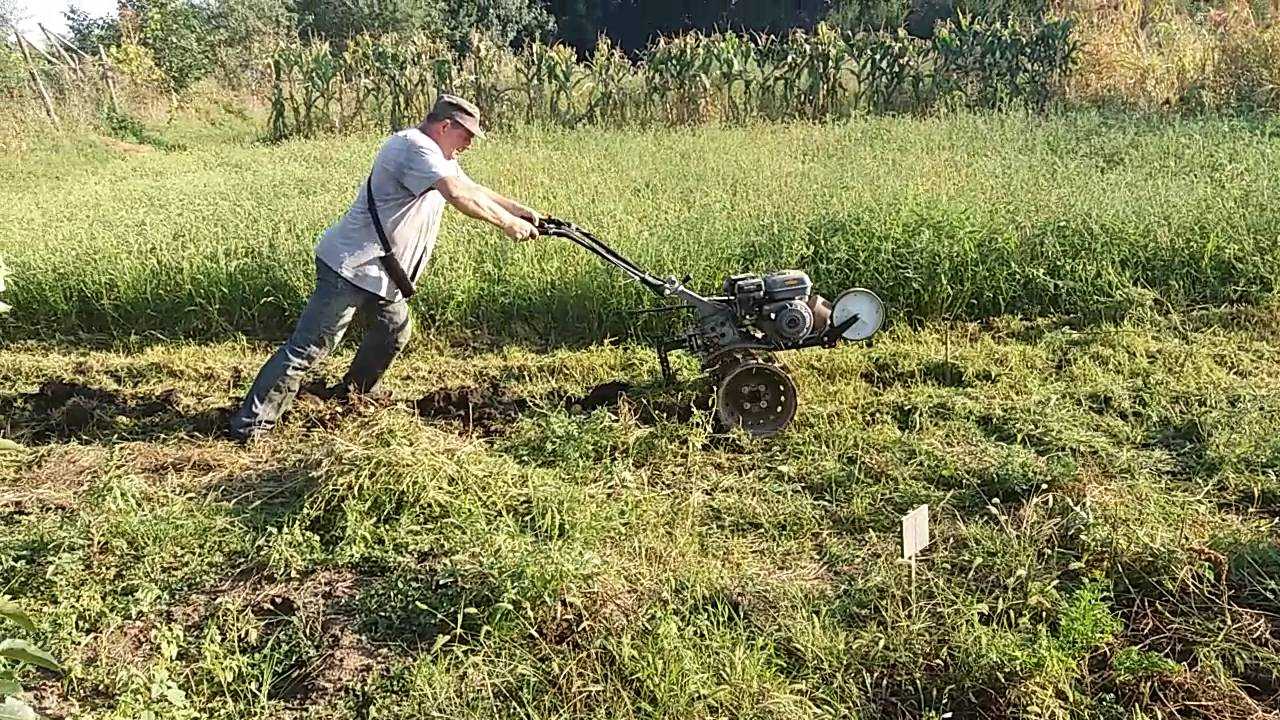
(389, 260)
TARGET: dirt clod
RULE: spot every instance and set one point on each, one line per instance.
(60, 411)
(604, 394)
(486, 410)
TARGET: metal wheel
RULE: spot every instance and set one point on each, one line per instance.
(722, 362)
(759, 397)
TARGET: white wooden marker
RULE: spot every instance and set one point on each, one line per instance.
(915, 531)
(915, 536)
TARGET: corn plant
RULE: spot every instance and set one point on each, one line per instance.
(14, 654)
(303, 90)
(769, 94)
(390, 81)
(387, 81)
(733, 58)
(487, 72)
(888, 63)
(818, 68)
(609, 78)
(995, 62)
(681, 73)
(550, 75)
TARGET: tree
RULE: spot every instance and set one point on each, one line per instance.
(88, 32)
(507, 20)
(241, 23)
(920, 16)
(10, 16)
(579, 22)
(179, 35)
(12, 76)
(339, 20)
(632, 24)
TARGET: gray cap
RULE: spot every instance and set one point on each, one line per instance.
(464, 112)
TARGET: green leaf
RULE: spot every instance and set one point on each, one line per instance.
(176, 696)
(10, 610)
(25, 652)
(9, 446)
(9, 687)
(15, 709)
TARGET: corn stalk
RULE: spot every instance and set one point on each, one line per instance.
(826, 74)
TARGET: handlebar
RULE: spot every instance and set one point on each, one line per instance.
(556, 227)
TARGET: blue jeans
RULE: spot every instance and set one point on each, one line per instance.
(330, 310)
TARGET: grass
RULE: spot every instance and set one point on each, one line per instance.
(1105, 510)
(1096, 438)
(961, 217)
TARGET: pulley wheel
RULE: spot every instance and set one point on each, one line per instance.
(757, 397)
(863, 304)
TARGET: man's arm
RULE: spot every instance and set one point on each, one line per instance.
(475, 201)
(511, 206)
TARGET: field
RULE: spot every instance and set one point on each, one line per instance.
(1086, 216)
(1081, 377)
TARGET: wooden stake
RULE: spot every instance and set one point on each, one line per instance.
(106, 76)
(42, 53)
(915, 611)
(75, 66)
(35, 79)
(947, 361)
(67, 44)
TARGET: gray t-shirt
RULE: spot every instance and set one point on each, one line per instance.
(407, 167)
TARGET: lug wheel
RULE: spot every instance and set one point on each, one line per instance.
(759, 397)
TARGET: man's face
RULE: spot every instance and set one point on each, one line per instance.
(455, 139)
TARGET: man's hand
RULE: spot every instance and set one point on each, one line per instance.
(527, 213)
(519, 229)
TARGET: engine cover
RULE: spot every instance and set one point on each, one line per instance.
(787, 321)
(747, 291)
(787, 285)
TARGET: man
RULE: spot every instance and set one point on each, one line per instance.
(414, 174)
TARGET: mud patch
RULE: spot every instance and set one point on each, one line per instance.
(49, 699)
(129, 643)
(327, 407)
(485, 410)
(61, 411)
(609, 393)
(206, 463)
(490, 410)
(1192, 693)
(564, 625)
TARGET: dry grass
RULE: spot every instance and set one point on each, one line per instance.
(1157, 55)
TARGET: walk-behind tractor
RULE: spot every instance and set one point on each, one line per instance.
(737, 333)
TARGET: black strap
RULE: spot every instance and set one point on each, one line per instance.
(389, 260)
